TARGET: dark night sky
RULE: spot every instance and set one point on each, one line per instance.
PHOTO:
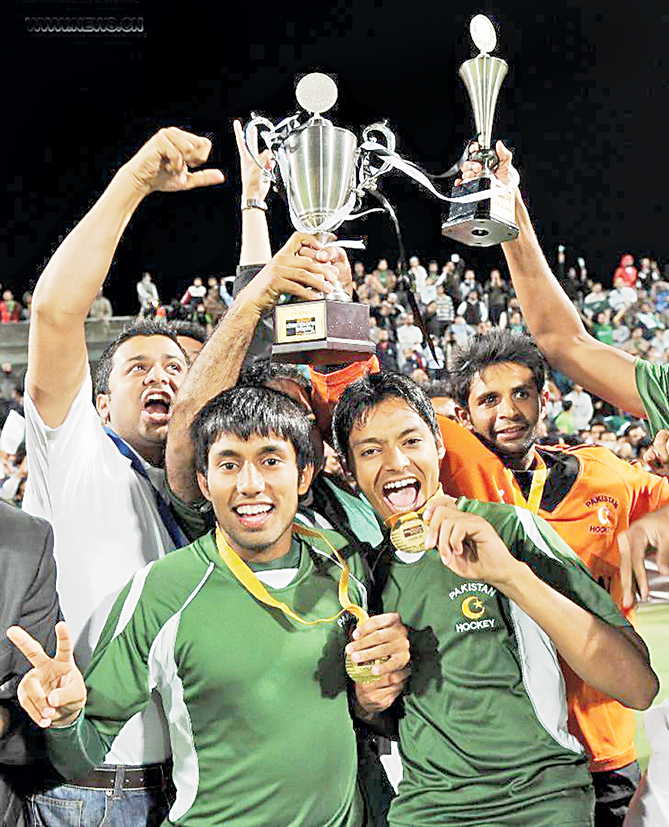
(584, 107)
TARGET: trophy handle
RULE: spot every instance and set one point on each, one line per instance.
(254, 123)
(369, 172)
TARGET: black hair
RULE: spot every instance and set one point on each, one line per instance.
(193, 330)
(366, 393)
(438, 389)
(146, 327)
(244, 412)
(494, 348)
(264, 371)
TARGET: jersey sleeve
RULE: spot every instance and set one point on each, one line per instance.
(554, 561)
(652, 383)
(649, 491)
(117, 682)
(533, 541)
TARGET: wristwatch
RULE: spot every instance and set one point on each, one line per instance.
(253, 204)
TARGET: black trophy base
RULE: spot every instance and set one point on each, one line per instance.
(481, 223)
(322, 333)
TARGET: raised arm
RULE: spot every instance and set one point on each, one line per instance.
(219, 363)
(609, 658)
(57, 360)
(256, 247)
(552, 318)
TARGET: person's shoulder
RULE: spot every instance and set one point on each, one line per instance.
(19, 526)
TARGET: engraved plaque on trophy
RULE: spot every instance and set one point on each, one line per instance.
(324, 172)
(491, 220)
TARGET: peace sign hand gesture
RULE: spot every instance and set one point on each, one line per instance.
(53, 692)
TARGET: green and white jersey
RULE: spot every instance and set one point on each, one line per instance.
(484, 736)
(652, 383)
(256, 704)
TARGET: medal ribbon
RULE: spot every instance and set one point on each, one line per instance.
(533, 502)
(246, 577)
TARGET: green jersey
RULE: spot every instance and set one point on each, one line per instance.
(256, 704)
(652, 383)
(484, 736)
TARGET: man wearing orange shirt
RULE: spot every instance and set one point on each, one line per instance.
(586, 493)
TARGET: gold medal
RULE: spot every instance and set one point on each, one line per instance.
(409, 532)
(362, 672)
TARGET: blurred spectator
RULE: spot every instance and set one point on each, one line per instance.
(374, 329)
(468, 284)
(358, 272)
(434, 368)
(9, 381)
(622, 297)
(10, 309)
(386, 351)
(626, 271)
(445, 309)
(409, 334)
(564, 421)
(602, 328)
(496, 292)
(473, 310)
(418, 274)
(194, 294)
(596, 301)
(433, 324)
(582, 407)
(147, 293)
(101, 309)
(411, 360)
(214, 306)
(420, 377)
(382, 272)
(27, 306)
(461, 331)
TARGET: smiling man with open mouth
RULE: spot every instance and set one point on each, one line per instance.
(490, 600)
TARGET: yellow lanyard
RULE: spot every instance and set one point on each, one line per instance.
(533, 502)
(245, 576)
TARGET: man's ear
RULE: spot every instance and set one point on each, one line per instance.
(544, 396)
(441, 451)
(305, 478)
(102, 405)
(463, 417)
(202, 482)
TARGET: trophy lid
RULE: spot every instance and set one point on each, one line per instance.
(483, 33)
(316, 93)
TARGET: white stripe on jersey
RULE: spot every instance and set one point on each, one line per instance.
(164, 675)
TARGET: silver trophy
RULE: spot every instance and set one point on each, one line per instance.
(325, 173)
(491, 220)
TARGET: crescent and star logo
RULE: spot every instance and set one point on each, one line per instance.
(473, 608)
(604, 515)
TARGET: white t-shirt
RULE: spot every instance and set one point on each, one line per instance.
(106, 527)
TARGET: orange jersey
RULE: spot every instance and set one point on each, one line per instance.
(589, 497)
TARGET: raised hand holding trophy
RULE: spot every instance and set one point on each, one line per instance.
(324, 173)
(491, 220)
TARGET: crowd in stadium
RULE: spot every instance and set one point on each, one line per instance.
(460, 532)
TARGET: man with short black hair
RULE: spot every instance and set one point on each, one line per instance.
(484, 737)
(95, 471)
(244, 634)
(585, 493)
